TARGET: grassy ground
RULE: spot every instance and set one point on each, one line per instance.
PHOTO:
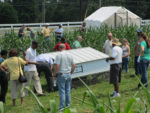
(128, 88)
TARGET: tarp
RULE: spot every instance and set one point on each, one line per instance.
(113, 17)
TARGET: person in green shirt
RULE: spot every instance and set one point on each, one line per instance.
(77, 43)
(144, 58)
(32, 33)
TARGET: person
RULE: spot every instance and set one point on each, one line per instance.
(77, 43)
(30, 71)
(107, 48)
(13, 63)
(136, 53)
(32, 33)
(144, 58)
(125, 54)
(46, 34)
(45, 64)
(64, 67)
(63, 41)
(83, 28)
(3, 78)
(21, 32)
(115, 61)
(59, 33)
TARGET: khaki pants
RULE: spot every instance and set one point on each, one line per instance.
(14, 84)
(33, 75)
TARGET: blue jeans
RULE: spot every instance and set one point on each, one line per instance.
(137, 66)
(125, 62)
(144, 66)
(64, 86)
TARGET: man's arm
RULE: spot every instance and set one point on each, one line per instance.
(73, 68)
(56, 69)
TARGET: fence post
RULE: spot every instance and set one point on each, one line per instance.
(68, 27)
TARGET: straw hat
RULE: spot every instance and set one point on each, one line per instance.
(116, 41)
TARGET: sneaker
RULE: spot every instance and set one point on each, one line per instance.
(116, 95)
(61, 109)
(113, 93)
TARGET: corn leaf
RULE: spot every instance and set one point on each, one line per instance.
(53, 107)
(2, 107)
(128, 106)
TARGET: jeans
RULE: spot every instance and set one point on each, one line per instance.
(137, 66)
(125, 62)
(144, 66)
(64, 86)
(4, 86)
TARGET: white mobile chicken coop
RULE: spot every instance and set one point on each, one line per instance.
(88, 61)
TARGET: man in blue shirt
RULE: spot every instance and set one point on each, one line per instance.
(59, 33)
(3, 78)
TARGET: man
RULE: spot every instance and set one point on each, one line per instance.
(83, 28)
(3, 78)
(107, 48)
(59, 33)
(115, 66)
(64, 67)
(21, 32)
(32, 33)
(45, 64)
(137, 52)
(30, 70)
(46, 34)
(77, 44)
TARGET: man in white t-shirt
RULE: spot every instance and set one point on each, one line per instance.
(59, 33)
(30, 70)
(107, 48)
(115, 61)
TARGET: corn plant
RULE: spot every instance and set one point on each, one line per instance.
(2, 110)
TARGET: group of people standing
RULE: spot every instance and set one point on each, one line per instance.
(119, 58)
(34, 64)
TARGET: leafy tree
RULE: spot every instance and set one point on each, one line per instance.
(28, 10)
(7, 13)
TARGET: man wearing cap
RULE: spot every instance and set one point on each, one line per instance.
(115, 61)
(64, 67)
(59, 33)
(107, 48)
(137, 52)
(46, 34)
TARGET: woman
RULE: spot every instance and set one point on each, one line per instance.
(63, 41)
(13, 64)
(144, 58)
(125, 54)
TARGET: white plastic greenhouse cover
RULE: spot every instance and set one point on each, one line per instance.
(106, 15)
(82, 55)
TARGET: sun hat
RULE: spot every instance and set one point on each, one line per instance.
(47, 24)
(139, 30)
(116, 41)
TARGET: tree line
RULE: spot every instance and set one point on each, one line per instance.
(36, 11)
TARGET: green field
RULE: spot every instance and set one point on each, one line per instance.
(128, 88)
(94, 39)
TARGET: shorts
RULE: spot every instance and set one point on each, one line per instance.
(115, 73)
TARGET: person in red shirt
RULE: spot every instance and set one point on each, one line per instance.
(63, 41)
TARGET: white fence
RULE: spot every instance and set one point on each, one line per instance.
(145, 22)
(38, 26)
